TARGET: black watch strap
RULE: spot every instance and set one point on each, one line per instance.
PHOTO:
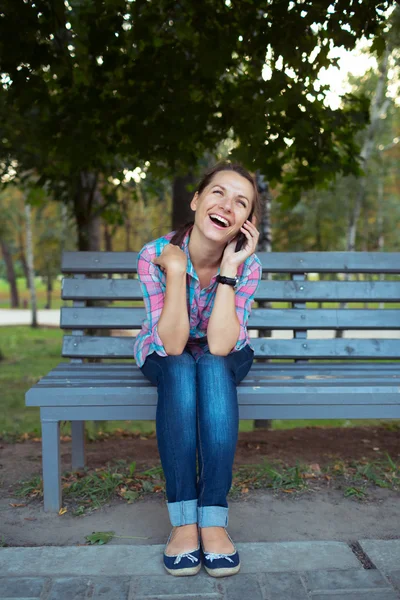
(228, 280)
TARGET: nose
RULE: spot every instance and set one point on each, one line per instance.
(227, 204)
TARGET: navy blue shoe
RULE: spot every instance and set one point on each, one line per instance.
(187, 563)
(221, 565)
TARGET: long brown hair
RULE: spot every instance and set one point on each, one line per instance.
(180, 233)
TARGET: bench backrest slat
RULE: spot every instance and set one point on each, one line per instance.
(273, 262)
(122, 347)
(278, 291)
(260, 318)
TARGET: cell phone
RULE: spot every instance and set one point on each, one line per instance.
(241, 238)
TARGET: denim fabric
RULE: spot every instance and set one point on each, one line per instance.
(197, 412)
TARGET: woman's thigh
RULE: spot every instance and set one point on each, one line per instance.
(178, 369)
(183, 365)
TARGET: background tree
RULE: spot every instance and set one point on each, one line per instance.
(90, 89)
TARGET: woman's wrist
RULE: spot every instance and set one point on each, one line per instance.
(228, 270)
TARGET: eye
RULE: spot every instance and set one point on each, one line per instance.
(217, 192)
(243, 203)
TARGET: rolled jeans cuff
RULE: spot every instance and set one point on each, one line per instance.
(183, 512)
(212, 516)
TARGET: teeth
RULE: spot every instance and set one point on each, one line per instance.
(224, 221)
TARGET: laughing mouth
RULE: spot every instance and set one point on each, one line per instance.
(219, 221)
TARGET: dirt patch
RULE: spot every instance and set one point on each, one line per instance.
(320, 445)
(322, 512)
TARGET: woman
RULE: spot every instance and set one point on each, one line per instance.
(194, 346)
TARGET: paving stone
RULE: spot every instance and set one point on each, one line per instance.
(282, 586)
(385, 554)
(111, 588)
(351, 579)
(69, 588)
(240, 586)
(85, 561)
(269, 557)
(169, 584)
(394, 577)
(381, 595)
(21, 587)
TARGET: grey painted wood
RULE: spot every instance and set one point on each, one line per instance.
(277, 291)
(78, 444)
(122, 347)
(257, 388)
(51, 463)
(272, 367)
(301, 410)
(260, 318)
(273, 262)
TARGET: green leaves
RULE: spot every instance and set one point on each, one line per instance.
(104, 82)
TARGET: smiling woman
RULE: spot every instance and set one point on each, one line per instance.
(198, 287)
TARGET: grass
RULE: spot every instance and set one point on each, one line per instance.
(28, 354)
(24, 294)
(86, 490)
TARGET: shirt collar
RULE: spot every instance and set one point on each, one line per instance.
(185, 247)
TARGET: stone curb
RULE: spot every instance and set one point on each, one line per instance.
(141, 560)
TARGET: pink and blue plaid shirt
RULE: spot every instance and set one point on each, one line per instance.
(199, 301)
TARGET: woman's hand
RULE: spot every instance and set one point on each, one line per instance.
(171, 258)
(232, 258)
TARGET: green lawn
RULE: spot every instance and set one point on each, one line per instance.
(24, 295)
(27, 354)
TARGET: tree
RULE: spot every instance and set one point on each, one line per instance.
(90, 89)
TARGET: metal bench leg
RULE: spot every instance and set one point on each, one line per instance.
(78, 444)
(51, 461)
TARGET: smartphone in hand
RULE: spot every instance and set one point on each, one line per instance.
(241, 238)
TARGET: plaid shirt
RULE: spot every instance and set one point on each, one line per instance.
(199, 301)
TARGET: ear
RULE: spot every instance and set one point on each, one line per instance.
(193, 204)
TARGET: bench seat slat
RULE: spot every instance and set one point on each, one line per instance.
(291, 368)
(59, 395)
(274, 291)
(122, 347)
(260, 318)
(246, 411)
(273, 262)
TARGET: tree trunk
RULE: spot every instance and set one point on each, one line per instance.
(12, 280)
(49, 290)
(107, 237)
(264, 245)
(87, 202)
(22, 257)
(380, 225)
(181, 211)
(31, 272)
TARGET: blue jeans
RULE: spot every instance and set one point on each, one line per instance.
(197, 409)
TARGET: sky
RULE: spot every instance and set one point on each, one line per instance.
(354, 62)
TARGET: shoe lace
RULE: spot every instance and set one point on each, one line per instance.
(214, 556)
(185, 555)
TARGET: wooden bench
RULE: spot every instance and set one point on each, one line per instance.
(298, 388)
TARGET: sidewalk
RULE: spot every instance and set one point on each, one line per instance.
(24, 317)
(316, 570)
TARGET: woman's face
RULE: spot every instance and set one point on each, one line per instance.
(229, 195)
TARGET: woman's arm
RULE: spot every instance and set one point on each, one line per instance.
(223, 326)
(173, 325)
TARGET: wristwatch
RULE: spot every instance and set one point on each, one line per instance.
(233, 281)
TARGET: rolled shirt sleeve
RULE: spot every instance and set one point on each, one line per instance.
(244, 298)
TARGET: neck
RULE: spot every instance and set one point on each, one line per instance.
(205, 254)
